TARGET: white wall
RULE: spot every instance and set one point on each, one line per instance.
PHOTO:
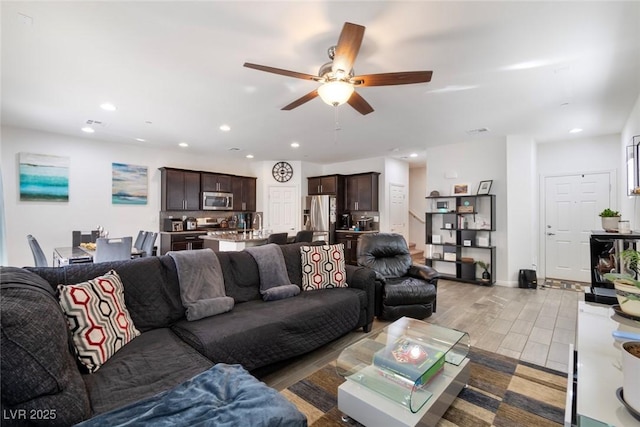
(522, 199)
(89, 189)
(417, 205)
(630, 205)
(577, 155)
(472, 162)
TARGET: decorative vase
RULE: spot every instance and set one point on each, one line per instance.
(610, 223)
(486, 276)
(623, 291)
(631, 373)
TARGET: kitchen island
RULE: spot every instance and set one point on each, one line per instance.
(231, 241)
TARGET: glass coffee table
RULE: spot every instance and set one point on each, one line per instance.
(406, 375)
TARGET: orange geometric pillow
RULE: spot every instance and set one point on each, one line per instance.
(98, 318)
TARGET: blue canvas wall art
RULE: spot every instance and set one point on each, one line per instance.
(44, 178)
(129, 184)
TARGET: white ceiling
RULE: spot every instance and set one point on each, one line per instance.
(178, 65)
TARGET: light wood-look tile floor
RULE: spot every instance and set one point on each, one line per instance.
(534, 325)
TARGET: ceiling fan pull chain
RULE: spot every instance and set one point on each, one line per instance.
(337, 125)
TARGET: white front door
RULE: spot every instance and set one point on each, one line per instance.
(283, 211)
(572, 204)
(398, 209)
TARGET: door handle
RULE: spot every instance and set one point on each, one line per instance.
(551, 234)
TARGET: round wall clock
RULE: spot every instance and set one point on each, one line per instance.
(282, 171)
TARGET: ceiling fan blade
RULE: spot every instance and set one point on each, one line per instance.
(298, 102)
(388, 79)
(359, 104)
(281, 71)
(347, 47)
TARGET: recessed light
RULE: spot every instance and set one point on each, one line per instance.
(141, 140)
(88, 129)
(183, 144)
(575, 130)
(249, 156)
(295, 145)
(413, 155)
(225, 128)
(107, 106)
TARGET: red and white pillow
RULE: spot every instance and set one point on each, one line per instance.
(323, 267)
(98, 318)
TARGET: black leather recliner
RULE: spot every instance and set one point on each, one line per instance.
(402, 288)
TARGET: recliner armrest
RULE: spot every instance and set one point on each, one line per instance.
(423, 272)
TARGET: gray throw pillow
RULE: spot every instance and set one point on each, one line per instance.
(280, 292)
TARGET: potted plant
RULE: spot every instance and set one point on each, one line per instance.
(626, 283)
(610, 219)
(486, 276)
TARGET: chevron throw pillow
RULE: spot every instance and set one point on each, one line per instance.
(323, 267)
(98, 318)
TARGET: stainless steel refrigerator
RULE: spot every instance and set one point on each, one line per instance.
(320, 212)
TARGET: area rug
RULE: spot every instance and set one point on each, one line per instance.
(502, 392)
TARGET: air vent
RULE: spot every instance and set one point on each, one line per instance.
(477, 131)
(94, 122)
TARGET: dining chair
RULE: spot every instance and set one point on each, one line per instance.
(278, 238)
(78, 237)
(139, 243)
(112, 249)
(149, 242)
(36, 250)
(304, 236)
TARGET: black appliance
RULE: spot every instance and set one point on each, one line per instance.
(527, 279)
(172, 224)
(345, 221)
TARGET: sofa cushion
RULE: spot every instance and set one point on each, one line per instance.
(225, 395)
(38, 371)
(257, 333)
(151, 288)
(323, 267)
(153, 362)
(241, 277)
(98, 318)
(280, 292)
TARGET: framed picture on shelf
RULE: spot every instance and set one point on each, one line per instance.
(460, 190)
(484, 187)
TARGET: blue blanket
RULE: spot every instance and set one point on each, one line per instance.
(225, 395)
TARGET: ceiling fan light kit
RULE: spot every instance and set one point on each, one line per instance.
(336, 92)
(338, 85)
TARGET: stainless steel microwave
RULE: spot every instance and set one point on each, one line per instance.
(216, 201)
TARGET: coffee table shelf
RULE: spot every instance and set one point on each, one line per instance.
(373, 393)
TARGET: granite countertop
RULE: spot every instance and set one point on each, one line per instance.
(230, 237)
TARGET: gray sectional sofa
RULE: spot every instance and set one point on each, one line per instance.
(39, 371)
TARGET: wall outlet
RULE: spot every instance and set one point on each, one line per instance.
(376, 219)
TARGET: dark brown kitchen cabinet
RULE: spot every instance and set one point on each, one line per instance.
(244, 193)
(362, 192)
(181, 241)
(330, 184)
(180, 190)
(350, 242)
(216, 182)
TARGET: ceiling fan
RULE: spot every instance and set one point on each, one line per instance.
(337, 76)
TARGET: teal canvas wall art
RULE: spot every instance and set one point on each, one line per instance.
(44, 178)
(129, 184)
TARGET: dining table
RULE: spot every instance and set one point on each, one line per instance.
(77, 254)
